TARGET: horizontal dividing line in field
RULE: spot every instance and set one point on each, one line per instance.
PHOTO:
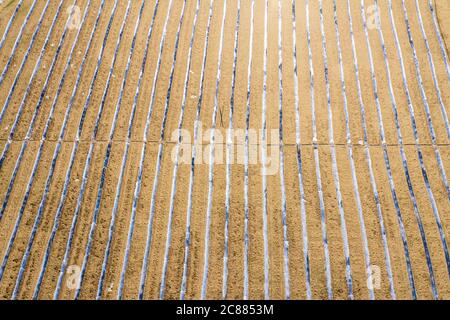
(236, 144)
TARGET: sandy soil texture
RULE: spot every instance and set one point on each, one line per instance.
(348, 99)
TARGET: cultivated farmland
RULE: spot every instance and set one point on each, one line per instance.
(224, 149)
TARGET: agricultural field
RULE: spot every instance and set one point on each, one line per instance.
(224, 149)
